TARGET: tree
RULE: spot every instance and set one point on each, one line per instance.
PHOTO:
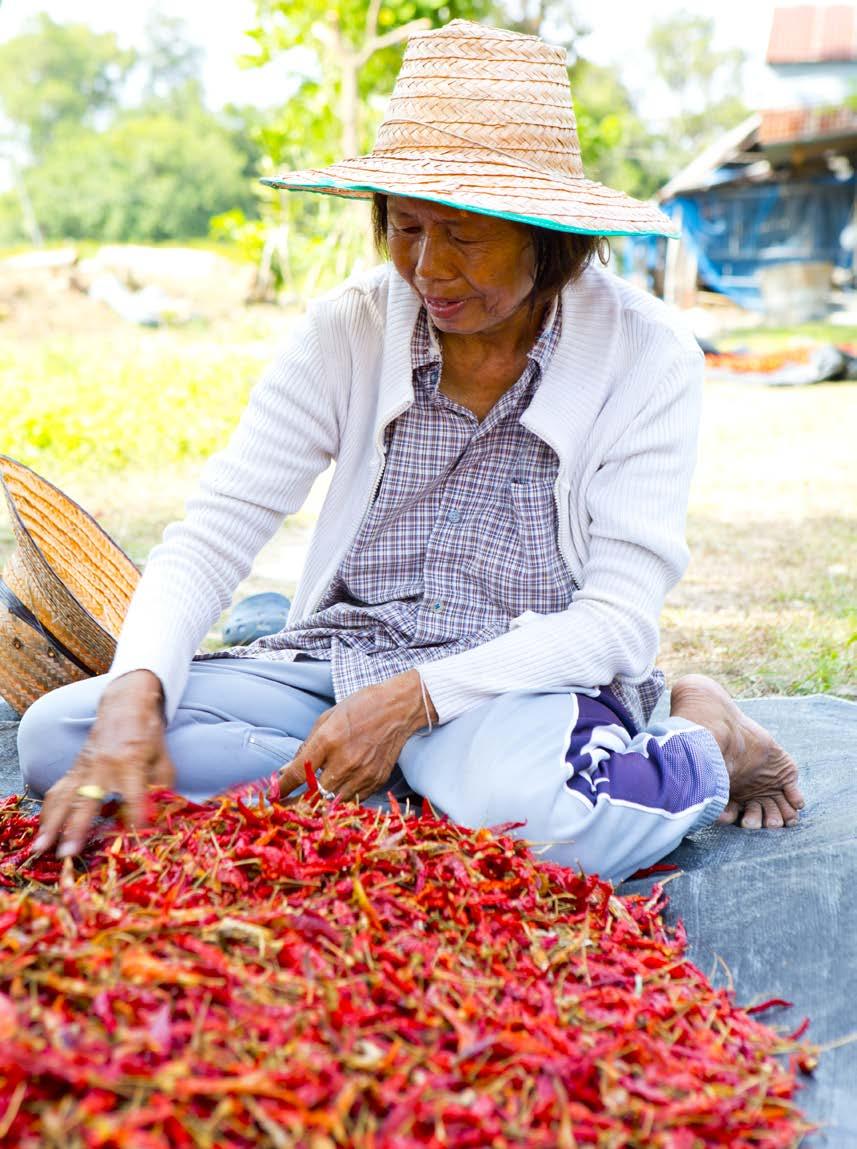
(617, 147)
(101, 170)
(355, 47)
(350, 54)
(148, 177)
(171, 62)
(59, 77)
(704, 82)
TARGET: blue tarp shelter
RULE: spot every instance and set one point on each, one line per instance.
(745, 205)
(735, 230)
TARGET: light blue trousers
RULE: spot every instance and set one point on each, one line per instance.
(591, 791)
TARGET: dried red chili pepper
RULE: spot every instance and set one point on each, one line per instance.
(772, 1003)
(246, 973)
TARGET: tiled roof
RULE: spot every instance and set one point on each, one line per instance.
(808, 34)
(779, 127)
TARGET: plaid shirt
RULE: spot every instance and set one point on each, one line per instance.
(461, 537)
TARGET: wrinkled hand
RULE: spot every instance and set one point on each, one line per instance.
(354, 746)
(125, 753)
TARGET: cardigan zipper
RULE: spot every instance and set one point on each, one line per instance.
(381, 457)
(563, 532)
(563, 542)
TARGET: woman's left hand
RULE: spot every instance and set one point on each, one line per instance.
(354, 746)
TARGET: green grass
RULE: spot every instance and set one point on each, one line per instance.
(86, 247)
(771, 338)
(767, 606)
(133, 401)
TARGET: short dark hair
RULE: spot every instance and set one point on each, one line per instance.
(561, 256)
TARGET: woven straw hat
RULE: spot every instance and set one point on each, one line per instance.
(63, 594)
(482, 119)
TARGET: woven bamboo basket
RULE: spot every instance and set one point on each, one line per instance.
(67, 588)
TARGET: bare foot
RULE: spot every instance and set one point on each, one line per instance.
(763, 779)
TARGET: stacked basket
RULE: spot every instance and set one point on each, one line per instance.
(63, 593)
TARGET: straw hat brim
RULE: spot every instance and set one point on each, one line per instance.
(496, 187)
(67, 571)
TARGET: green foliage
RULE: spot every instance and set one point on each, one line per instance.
(11, 223)
(56, 77)
(617, 147)
(172, 64)
(283, 25)
(101, 171)
(246, 237)
(352, 49)
(351, 52)
(163, 169)
(147, 177)
(686, 61)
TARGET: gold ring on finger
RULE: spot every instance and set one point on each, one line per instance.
(92, 790)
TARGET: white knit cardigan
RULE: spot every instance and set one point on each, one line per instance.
(619, 404)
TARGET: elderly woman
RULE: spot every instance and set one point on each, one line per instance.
(514, 431)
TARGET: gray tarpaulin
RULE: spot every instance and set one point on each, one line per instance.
(10, 779)
(774, 908)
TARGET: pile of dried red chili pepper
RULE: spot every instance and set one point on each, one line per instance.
(744, 362)
(246, 973)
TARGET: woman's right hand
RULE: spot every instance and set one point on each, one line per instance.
(125, 753)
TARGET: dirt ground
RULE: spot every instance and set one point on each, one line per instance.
(43, 295)
(39, 303)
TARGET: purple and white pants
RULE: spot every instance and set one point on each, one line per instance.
(591, 791)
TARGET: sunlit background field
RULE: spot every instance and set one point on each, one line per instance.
(123, 419)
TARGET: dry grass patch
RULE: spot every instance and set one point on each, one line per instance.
(769, 602)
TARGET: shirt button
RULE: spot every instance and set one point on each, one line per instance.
(437, 605)
(453, 516)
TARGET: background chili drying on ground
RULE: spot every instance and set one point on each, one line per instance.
(246, 973)
(743, 362)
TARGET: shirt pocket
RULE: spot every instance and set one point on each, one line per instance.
(543, 584)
